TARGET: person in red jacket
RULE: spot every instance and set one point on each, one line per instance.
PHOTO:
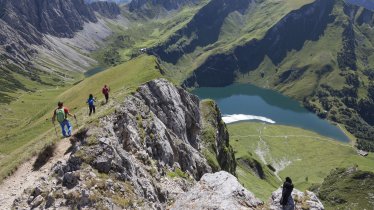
(106, 91)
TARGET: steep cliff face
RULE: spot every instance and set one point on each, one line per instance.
(24, 23)
(56, 17)
(290, 33)
(43, 36)
(217, 149)
(148, 152)
(106, 9)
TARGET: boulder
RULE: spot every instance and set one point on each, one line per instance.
(70, 179)
(220, 190)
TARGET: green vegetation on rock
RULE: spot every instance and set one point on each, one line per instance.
(217, 149)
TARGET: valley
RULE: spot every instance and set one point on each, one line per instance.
(299, 72)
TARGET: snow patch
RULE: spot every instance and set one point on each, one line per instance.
(240, 117)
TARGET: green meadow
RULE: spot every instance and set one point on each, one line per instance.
(303, 155)
(26, 122)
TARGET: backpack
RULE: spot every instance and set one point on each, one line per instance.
(60, 114)
(91, 101)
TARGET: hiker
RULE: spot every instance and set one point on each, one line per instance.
(61, 113)
(286, 200)
(106, 91)
(91, 105)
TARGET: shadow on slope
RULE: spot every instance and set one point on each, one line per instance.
(290, 33)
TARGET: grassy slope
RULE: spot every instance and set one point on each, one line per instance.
(25, 122)
(310, 155)
(237, 29)
(314, 54)
(145, 33)
(344, 189)
(31, 128)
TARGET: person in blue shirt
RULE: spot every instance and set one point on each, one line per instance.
(91, 104)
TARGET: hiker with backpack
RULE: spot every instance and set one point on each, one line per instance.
(106, 91)
(286, 200)
(90, 101)
(61, 113)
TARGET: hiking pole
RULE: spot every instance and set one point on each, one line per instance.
(76, 121)
(54, 125)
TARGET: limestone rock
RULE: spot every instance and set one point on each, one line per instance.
(37, 201)
(106, 9)
(147, 153)
(220, 190)
(302, 200)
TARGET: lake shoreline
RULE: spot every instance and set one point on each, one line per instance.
(243, 102)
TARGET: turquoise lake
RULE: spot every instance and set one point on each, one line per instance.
(269, 106)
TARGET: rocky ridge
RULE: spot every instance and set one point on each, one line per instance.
(145, 155)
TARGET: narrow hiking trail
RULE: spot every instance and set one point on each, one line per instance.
(25, 177)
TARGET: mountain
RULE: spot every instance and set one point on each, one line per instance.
(368, 4)
(168, 4)
(148, 154)
(48, 42)
(157, 8)
(106, 9)
(157, 146)
(318, 52)
(116, 1)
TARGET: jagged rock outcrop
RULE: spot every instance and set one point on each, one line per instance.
(220, 190)
(302, 200)
(164, 121)
(106, 9)
(60, 18)
(142, 156)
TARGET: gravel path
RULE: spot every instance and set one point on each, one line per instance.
(26, 177)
